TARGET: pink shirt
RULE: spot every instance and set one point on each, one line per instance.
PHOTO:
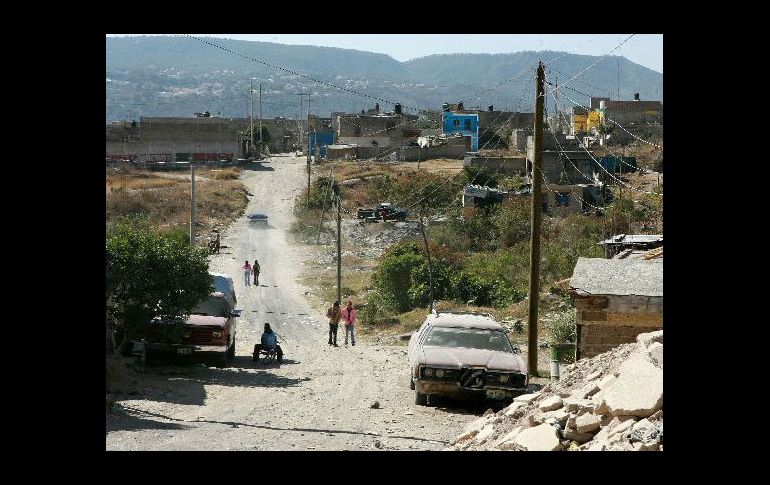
(349, 317)
(247, 267)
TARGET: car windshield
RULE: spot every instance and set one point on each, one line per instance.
(473, 338)
(215, 306)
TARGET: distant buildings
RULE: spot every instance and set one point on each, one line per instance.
(464, 123)
(195, 138)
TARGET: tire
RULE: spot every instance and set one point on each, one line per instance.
(420, 399)
(411, 383)
(270, 357)
(230, 355)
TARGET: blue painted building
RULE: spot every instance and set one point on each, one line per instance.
(617, 164)
(467, 124)
(319, 139)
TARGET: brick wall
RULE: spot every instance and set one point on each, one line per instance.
(604, 322)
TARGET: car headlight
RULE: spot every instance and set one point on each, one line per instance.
(428, 372)
(439, 373)
(504, 379)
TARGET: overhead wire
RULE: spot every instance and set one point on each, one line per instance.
(608, 173)
(291, 71)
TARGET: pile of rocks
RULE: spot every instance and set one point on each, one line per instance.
(372, 240)
(613, 401)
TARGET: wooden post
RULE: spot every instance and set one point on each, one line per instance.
(430, 265)
(534, 254)
(192, 202)
(339, 251)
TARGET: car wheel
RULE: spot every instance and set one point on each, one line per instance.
(411, 383)
(231, 351)
(421, 399)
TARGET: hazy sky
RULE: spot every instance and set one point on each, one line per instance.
(644, 49)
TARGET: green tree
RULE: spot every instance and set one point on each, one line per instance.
(151, 275)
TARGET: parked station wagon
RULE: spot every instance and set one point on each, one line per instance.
(464, 356)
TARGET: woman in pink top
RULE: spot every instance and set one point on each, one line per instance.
(247, 272)
(349, 317)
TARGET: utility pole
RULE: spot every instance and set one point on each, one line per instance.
(192, 203)
(260, 115)
(339, 251)
(251, 90)
(430, 265)
(534, 254)
(557, 125)
(307, 203)
(300, 134)
(308, 129)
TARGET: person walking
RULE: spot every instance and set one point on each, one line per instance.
(349, 315)
(255, 270)
(247, 272)
(216, 245)
(334, 314)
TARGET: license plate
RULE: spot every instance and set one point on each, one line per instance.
(495, 394)
(184, 351)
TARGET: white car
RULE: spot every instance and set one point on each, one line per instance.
(464, 356)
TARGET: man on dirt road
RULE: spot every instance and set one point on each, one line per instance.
(334, 315)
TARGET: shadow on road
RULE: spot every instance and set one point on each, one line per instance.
(235, 424)
(186, 385)
(258, 167)
(132, 422)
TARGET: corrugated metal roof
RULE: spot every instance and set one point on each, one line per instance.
(598, 276)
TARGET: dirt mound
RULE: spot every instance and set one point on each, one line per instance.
(613, 401)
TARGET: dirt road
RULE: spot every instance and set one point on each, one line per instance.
(319, 398)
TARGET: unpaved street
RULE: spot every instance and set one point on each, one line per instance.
(319, 398)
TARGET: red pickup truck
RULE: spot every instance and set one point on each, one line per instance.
(209, 330)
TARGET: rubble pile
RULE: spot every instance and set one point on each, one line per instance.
(373, 239)
(611, 402)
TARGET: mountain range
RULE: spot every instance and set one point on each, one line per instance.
(177, 76)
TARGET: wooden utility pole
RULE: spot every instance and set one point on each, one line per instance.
(323, 204)
(307, 202)
(192, 203)
(260, 116)
(339, 251)
(251, 90)
(534, 253)
(430, 265)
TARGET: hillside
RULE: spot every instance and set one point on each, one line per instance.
(176, 76)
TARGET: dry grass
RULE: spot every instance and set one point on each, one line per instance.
(218, 203)
(229, 173)
(133, 180)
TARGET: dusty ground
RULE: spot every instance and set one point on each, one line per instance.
(319, 398)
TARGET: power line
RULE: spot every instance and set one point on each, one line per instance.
(608, 173)
(597, 61)
(290, 71)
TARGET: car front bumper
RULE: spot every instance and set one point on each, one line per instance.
(453, 390)
(181, 349)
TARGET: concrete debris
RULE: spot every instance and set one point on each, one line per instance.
(610, 402)
(647, 339)
(526, 398)
(587, 423)
(550, 403)
(655, 352)
(539, 438)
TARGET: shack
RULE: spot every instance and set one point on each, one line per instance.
(615, 300)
